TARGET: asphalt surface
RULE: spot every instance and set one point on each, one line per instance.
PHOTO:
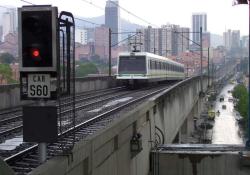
(226, 129)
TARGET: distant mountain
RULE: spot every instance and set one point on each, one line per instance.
(216, 40)
(125, 25)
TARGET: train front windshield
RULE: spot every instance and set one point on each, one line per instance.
(132, 65)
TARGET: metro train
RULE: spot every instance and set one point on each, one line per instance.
(142, 67)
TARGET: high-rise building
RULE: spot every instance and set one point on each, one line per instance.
(198, 20)
(102, 41)
(231, 39)
(180, 42)
(166, 41)
(112, 19)
(9, 21)
(227, 40)
(90, 34)
(173, 40)
(154, 40)
(81, 36)
(245, 41)
(235, 39)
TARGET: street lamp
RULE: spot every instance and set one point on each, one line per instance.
(238, 2)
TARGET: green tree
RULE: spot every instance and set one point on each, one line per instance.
(240, 92)
(85, 69)
(6, 58)
(6, 73)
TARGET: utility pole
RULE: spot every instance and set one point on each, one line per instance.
(201, 55)
(109, 51)
(208, 64)
(154, 42)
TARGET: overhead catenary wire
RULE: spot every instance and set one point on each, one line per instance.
(132, 14)
(124, 40)
(101, 8)
(91, 3)
(90, 22)
(28, 2)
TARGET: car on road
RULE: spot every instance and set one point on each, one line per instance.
(224, 107)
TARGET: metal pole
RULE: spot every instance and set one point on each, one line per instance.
(42, 147)
(201, 75)
(248, 141)
(109, 52)
(208, 67)
(42, 151)
(68, 56)
(154, 42)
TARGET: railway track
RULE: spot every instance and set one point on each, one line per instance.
(13, 123)
(8, 114)
(89, 121)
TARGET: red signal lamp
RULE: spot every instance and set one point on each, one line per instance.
(35, 53)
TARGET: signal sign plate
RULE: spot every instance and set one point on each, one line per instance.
(39, 86)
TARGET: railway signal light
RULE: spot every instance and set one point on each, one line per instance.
(38, 36)
(38, 51)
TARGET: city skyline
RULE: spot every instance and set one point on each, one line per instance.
(221, 14)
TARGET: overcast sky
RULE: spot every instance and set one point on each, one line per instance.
(220, 13)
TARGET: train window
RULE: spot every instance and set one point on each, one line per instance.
(153, 64)
(135, 65)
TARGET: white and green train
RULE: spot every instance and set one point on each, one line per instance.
(140, 67)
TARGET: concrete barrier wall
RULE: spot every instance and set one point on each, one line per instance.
(10, 94)
(107, 152)
(220, 160)
(176, 104)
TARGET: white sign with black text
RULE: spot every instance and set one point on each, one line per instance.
(39, 85)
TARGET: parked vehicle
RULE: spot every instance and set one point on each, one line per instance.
(221, 99)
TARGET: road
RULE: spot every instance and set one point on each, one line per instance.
(226, 129)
